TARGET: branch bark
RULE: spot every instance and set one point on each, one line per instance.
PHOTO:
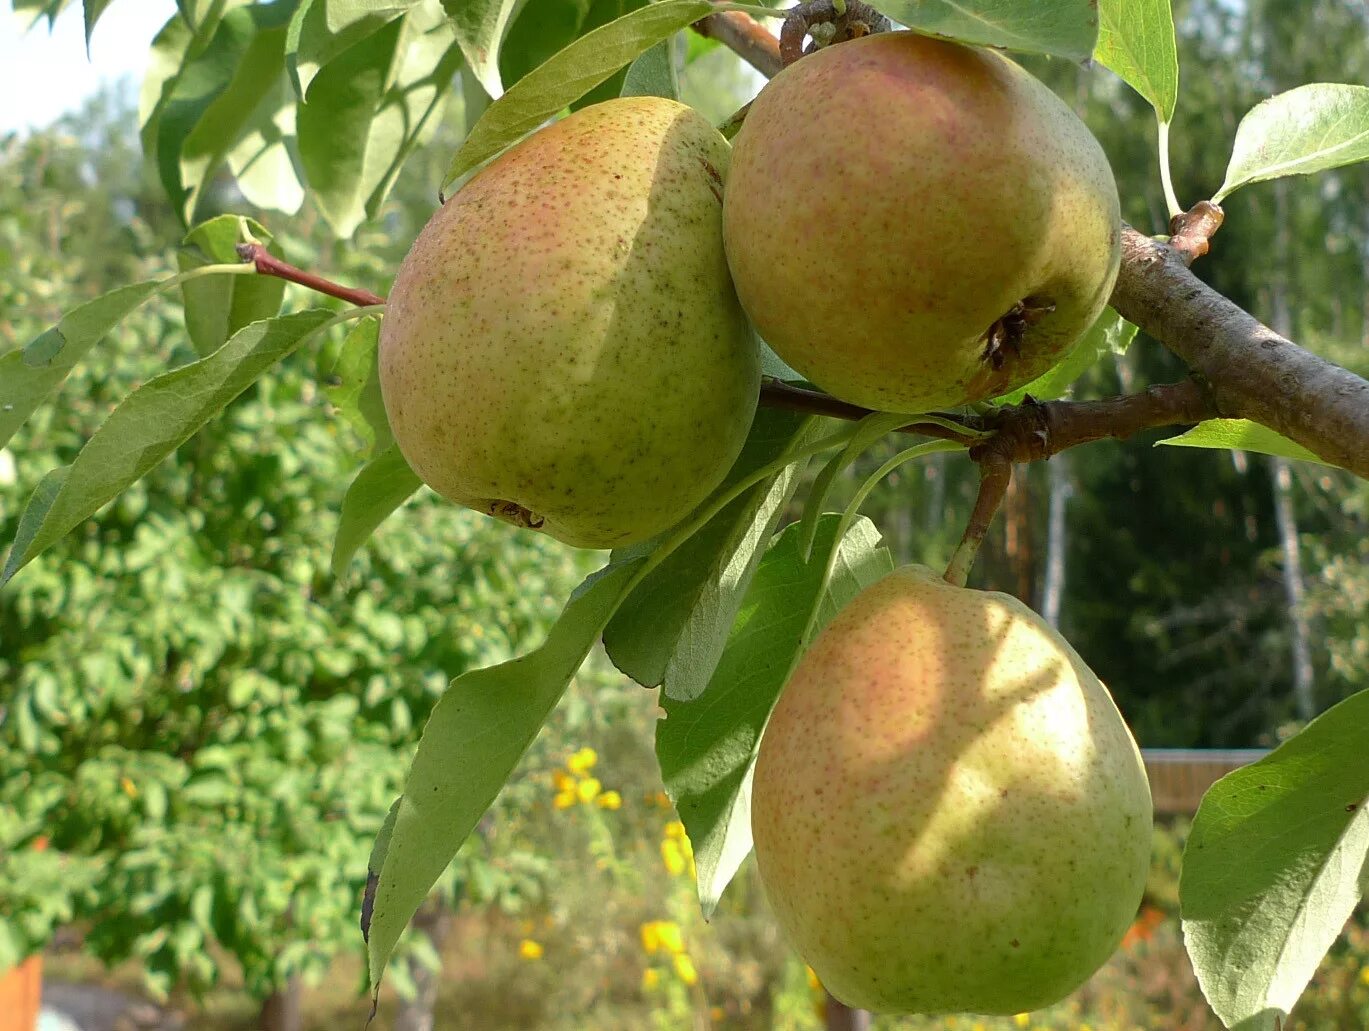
(1250, 371)
(748, 37)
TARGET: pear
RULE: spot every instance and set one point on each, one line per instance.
(949, 813)
(914, 224)
(563, 348)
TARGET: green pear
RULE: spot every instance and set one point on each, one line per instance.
(914, 224)
(563, 347)
(949, 813)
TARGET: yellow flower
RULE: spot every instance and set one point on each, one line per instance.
(716, 1014)
(565, 800)
(587, 789)
(650, 979)
(582, 761)
(1022, 1019)
(684, 969)
(609, 800)
(812, 976)
(130, 789)
(675, 829)
(563, 781)
(651, 938)
(672, 941)
(530, 949)
(673, 857)
(1364, 976)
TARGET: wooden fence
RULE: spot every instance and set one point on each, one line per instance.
(1179, 776)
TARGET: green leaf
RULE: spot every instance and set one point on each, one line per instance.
(216, 307)
(1136, 40)
(1109, 334)
(353, 386)
(1064, 28)
(322, 30)
(1241, 435)
(868, 430)
(92, 10)
(474, 738)
(383, 484)
(29, 374)
(569, 75)
(480, 26)
(673, 628)
(707, 747)
(1272, 866)
(373, 865)
(153, 421)
(218, 94)
(367, 108)
(653, 74)
(1308, 129)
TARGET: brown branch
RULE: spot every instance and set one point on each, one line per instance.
(268, 264)
(1250, 371)
(1191, 231)
(841, 22)
(748, 37)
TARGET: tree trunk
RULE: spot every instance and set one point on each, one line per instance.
(281, 1010)
(1053, 582)
(841, 1017)
(434, 921)
(1285, 517)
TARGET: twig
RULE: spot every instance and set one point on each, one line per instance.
(748, 37)
(841, 20)
(1191, 231)
(995, 474)
(268, 264)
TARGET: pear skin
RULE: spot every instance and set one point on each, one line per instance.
(563, 347)
(949, 813)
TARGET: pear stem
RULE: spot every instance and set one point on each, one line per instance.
(995, 474)
(267, 264)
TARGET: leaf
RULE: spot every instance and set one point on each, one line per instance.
(367, 108)
(217, 307)
(1241, 435)
(1308, 129)
(1064, 28)
(321, 30)
(262, 160)
(373, 865)
(383, 484)
(569, 75)
(215, 97)
(870, 429)
(707, 747)
(1136, 40)
(474, 738)
(653, 74)
(1109, 334)
(353, 386)
(480, 26)
(153, 421)
(92, 10)
(674, 626)
(1272, 866)
(29, 374)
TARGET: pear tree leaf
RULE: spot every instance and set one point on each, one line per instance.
(870, 429)
(475, 736)
(653, 74)
(149, 424)
(321, 30)
(367, 108)
(1063, 28)
(262, 161)
(1305, 130)
(353, 386)
(216, 307)
(707, 747)
(1241, 435)
(674, 626)
(480, 26)
(1109, 334)
(1272, 867)
(1136, 41)
(92, 9)
(381, 486)
(28, 374)
(569, 75)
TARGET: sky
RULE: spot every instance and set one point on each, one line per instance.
(42, 75)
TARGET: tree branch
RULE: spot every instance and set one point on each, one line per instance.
(1250, 371)
(748, 37)
(267, 264)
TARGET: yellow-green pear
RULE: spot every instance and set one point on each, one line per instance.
(913, 223)
(949, 813)
(563, 347)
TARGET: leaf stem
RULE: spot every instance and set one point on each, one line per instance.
(1166, 177)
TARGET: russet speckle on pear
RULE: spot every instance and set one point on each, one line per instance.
(563, 347)
(914, 223)
(949, 813)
